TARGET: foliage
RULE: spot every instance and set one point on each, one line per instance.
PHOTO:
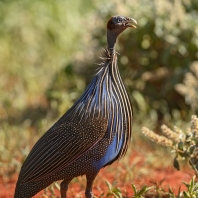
(192, 189)
(48, 53)
(154, 57)
(189, 87)
(35, 44)
(113, 191)
(183, 144)
(156, 191)
(140, 193)
(41, 40)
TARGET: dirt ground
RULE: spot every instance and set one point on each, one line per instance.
(163, 178)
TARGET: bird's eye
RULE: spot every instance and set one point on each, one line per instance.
(119, 20)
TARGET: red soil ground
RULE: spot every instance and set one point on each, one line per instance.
(170, 177)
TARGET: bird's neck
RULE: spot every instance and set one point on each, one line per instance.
(111, 41)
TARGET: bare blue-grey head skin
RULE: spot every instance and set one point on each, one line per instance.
(92, 134)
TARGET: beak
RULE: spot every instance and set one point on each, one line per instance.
(131, 22)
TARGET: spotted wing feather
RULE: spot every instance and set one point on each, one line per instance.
(60, 146)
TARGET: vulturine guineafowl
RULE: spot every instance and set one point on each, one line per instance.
(92, 134)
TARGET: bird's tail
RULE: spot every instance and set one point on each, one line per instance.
(20, 191)
(29, 189)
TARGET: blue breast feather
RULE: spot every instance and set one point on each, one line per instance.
(110, 154)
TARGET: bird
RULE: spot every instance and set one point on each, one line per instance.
(95, 132)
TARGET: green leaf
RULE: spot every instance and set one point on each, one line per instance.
(142, 191)
(186, 194)
(176, 163)
(109, 185)
(109, 194)
(134, 189)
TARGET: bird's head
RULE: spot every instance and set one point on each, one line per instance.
(115, 26)
(118, 24)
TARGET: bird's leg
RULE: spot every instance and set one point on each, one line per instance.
(63, 187)
(90, 180)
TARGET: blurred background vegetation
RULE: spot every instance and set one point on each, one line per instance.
(48, 51)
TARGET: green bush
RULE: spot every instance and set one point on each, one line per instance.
(155, 57)
(40, 39)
